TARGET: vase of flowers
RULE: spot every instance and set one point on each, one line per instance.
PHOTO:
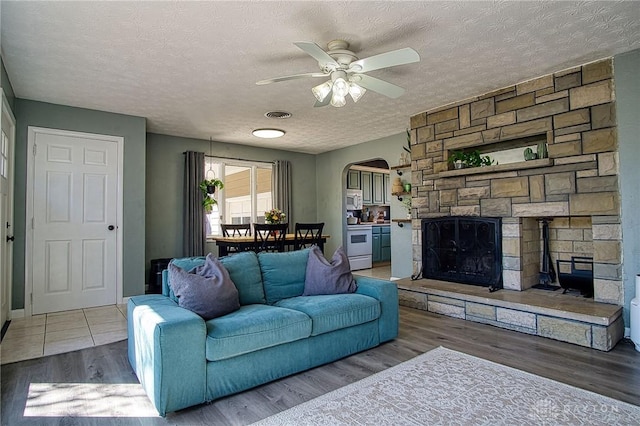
(274, 216)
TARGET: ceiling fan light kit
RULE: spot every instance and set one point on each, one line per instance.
(321, 91)
(356, 91)
(347, 72)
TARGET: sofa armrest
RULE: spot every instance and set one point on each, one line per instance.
(167, 351)
(387, 293)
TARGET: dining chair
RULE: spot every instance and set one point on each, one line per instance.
(269, 237)
(236, 230)
(308, 234)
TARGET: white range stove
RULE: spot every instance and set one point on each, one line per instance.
(359, 249)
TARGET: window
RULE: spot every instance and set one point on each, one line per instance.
(246, 194)
(4, 155)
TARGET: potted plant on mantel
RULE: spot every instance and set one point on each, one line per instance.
(462, 159)
(208, 189)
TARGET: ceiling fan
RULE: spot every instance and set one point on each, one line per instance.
(347, 73)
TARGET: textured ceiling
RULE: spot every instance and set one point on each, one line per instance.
(190, 67)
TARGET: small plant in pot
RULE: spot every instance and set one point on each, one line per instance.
(461, 159)
(406, 202)
(458, 159)
(208, 188)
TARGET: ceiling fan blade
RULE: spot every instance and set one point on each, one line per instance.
(325, 102)
(385, 60)
(379, 86)
(292, 77)
(317, 53)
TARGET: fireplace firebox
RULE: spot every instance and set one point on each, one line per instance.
(463, 249)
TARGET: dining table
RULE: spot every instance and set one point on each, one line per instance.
(246, 242)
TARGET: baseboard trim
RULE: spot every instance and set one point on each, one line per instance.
(627, 332)
(5, 326)
(17, 313)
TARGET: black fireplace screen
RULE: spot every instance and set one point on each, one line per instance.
(463, 249)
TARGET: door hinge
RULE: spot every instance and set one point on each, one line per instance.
(35, 149)
(31, 298)
(33, 223)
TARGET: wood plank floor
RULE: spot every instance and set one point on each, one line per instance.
(615, 374)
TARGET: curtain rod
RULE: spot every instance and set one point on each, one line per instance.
(235, 158)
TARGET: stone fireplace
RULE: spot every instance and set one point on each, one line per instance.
(572, 113)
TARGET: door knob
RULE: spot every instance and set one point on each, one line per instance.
(10, 238)
(111, 228)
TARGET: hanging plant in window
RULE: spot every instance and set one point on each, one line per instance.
(208, 188)
(208, 185)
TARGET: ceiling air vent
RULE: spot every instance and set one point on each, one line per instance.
(278, 114)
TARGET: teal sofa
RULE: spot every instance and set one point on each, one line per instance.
(182, 360)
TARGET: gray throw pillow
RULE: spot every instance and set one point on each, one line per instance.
(209, 292)
(324, 277)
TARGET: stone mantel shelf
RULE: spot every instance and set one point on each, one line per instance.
(532, 164)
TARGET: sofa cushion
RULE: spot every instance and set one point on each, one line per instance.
(209, 292)
(244, 270)
(324, 277)
(335, 311)
(283, 274)
(254, 327)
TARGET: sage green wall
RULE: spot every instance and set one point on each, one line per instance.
(627, 84)
(165, 168)
(331, 183)
(133, 129)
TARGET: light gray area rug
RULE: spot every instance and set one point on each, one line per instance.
(443, 386)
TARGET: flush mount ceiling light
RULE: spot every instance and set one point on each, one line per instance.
(268, 133)
(347, 73)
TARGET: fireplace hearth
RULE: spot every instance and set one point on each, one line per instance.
(464, 250)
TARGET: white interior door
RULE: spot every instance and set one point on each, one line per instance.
(75, 204)
(7, 143)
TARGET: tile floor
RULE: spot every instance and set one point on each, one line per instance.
(383, 272)
(60, 332)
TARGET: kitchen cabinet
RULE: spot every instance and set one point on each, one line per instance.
(385, 243)
(366, 186)
(378, 188)
(375, 245)
(353, 179)
(381, 243)
(387, 189)
(375, 186)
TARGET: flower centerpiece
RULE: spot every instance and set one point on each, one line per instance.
(274, 216)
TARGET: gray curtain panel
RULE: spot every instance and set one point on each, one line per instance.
(193, 227)
(281, 180)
